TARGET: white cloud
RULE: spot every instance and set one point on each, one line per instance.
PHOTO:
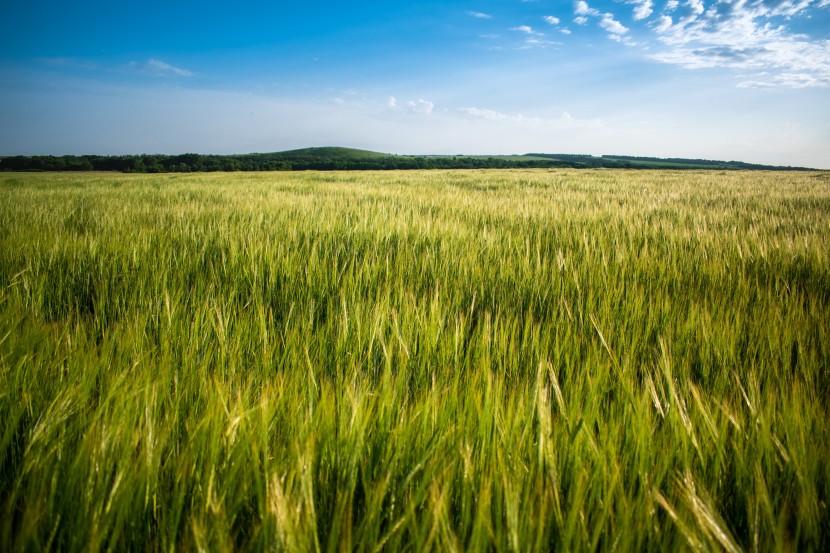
(791, 80)
(555, 20)
(533, 42)
(164, 68)
(157, 68)
(740, 36)
(582, 8)
(565, 31)
(611, 25)
(643, 9)
(800, 80)
(484, 113)
(391, 104)
(608, 22)
(662, 24)
(423, 107)
(534, 38)
(696, 6)
(480, 15)
(565, 121)
(755, 84)
(525, 29)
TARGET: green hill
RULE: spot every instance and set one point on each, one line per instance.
(332, 152)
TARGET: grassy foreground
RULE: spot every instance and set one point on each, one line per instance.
(413, 361)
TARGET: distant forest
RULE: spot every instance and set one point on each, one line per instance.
(345, 159)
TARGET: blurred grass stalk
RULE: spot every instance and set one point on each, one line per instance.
(508, 360)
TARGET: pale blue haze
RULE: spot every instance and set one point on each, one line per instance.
(744, 80)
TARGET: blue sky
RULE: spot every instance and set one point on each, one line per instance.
(746, 80)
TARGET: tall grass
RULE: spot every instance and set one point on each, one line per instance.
(502, 360)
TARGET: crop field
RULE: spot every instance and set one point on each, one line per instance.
(509, 360)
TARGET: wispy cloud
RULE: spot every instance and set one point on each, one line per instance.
(581, 7)
(642, 9)
(484, 113)
(70, 63)
(614, 27)
(480, 15)
(534, 42)
(565, 121)
(741, 35)
(157, 68)
(152, 67)
(583, 11)
(616, 30)
(749, 35)
(696, 6)
(555, 22)
(419, 107)
(525, 29)
(533, 38)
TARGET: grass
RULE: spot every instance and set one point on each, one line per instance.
(409, 361)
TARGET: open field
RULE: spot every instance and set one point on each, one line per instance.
(513, 360)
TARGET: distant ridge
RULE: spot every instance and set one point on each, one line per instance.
(332, 158)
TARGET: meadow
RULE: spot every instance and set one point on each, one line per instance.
(509, 360)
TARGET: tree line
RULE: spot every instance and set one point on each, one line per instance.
(342, 159)
(187, 163)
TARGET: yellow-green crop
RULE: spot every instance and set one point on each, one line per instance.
(412, 361)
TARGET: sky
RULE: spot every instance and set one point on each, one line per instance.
(745, 80)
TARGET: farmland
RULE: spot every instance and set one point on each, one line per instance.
(513, 360)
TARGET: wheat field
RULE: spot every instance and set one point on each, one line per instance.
(509, 360)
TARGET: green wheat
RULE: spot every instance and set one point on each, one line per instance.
(513, 360)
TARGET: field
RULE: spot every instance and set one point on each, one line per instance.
(517, 360)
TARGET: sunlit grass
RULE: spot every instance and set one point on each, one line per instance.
(509, 360)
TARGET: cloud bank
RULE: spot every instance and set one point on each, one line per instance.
(754, 37)
(749, 35)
